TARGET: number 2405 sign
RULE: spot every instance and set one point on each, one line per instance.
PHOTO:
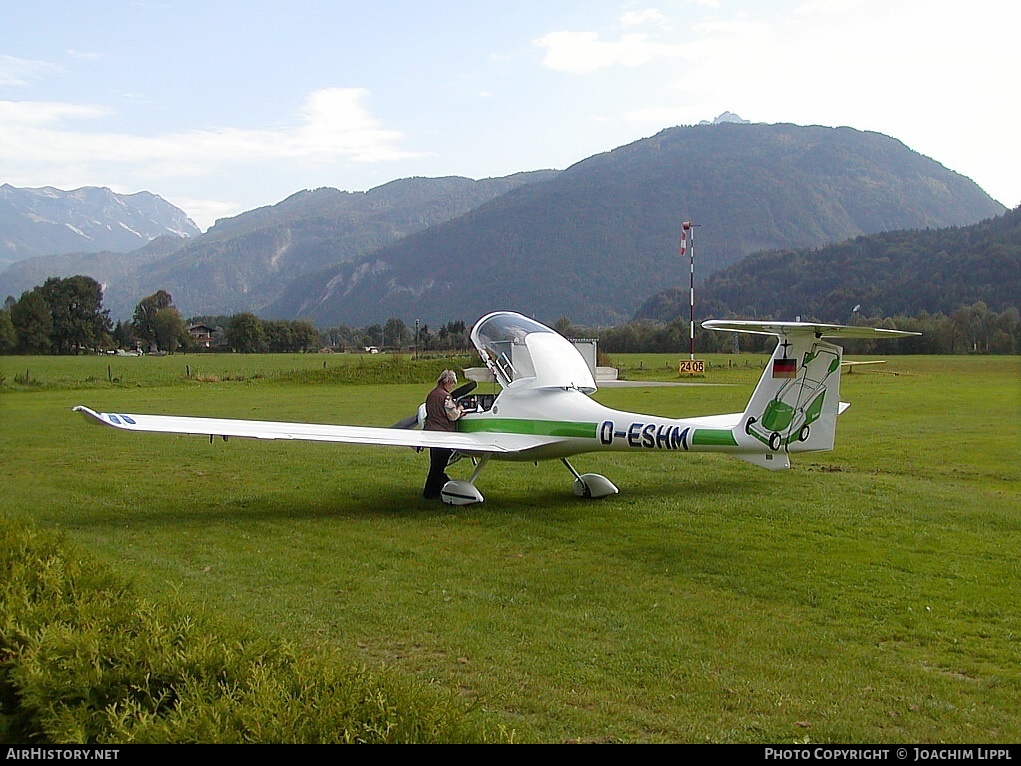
(691, 367)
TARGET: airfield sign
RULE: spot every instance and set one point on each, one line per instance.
(691, 367)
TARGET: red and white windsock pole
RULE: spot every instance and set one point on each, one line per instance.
(688, 244)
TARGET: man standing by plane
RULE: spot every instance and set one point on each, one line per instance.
(441, 414)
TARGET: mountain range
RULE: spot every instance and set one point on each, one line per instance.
(46, 221)
(244, 263)
(592, 242)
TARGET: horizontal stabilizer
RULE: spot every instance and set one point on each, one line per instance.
(810, 329)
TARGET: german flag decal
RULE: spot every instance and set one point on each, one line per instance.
(785, 368)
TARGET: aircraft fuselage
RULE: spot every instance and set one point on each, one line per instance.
(584, 425)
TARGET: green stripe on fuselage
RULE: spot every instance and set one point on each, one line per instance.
(523, 426)
(706, 437)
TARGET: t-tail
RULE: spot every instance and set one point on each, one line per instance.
(795, 405)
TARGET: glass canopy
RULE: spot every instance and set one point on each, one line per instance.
(523, 353)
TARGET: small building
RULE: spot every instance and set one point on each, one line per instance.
(205, 336)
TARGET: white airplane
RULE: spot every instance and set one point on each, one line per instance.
(545, 411)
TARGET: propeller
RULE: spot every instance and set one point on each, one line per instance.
(463, 390)
(409, 422)
(412, 420)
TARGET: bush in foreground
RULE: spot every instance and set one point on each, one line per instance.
(84, 659)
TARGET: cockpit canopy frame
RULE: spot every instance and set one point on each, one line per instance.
(522, 353)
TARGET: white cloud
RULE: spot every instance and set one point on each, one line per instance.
(650, 15)
(84, 55)
(65, 145)
(333, 125)
(205, 212)
(19, 72)
(831, 6)
(583, 52)
(18, 114)
(337, 124)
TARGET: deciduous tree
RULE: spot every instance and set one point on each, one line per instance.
(8, 338)
(79, 321)
(32, 323)
(170, 331)
(245, 333)
(144, 318)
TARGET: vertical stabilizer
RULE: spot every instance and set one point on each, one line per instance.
(795, 405)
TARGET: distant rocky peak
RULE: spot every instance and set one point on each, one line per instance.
(726, 117)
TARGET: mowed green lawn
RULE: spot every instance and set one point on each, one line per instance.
(870, 594)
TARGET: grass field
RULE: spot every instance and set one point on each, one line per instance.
(867, 595)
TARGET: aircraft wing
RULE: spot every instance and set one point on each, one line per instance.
(267, 429)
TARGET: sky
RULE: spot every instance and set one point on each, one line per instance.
(222, 106)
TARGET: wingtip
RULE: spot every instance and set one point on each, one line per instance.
(91, 416)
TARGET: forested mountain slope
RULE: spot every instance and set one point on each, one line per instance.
(897, 272)
(597, 240)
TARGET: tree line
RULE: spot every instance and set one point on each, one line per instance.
(66, 316)
(397, 335)
(970, 329)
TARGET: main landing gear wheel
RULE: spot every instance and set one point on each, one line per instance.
(590, 484)
(458, 492)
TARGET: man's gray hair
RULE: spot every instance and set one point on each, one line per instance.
(447, 376)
